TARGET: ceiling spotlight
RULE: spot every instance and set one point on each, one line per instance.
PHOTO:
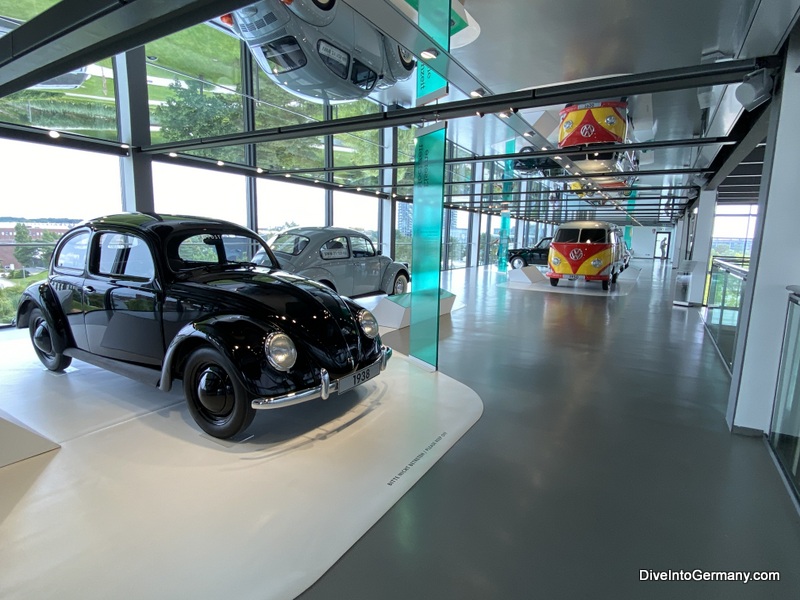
(504, 115)
(53, 134)
(220, 163)
(124, 146)
(528, 134)
(479, 113)
(544, 147)
(259, 170)
(557, 157)
(358, 189)
(479, 93)
(172, 155)
(429, 53)
(287, 175)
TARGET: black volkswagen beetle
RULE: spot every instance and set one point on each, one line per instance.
(163, 297)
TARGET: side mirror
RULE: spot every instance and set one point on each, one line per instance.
(379, 252)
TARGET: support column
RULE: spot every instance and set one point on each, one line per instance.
(773, 262)
(133, 117)
(701, 248)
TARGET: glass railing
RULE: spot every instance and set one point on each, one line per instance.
(724, 303)
(784, 434)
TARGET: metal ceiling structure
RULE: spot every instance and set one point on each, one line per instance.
(529, 59)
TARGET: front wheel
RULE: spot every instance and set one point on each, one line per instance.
(605, 285)
(553, 281)
(41, 339)
(216, 398)
(400, 284)
(518, 262)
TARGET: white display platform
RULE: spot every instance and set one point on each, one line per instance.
(625, 283)
(139, 503)
(394, 312)
(529, 274)
(18, 442)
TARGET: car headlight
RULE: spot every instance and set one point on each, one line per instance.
(597, 263)
(281, 352)
(368, 322)
(556, 261)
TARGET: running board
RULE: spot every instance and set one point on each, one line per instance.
(147, 375)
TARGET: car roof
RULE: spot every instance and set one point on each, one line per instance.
(587, 225)
(328, 232)
(162, 225)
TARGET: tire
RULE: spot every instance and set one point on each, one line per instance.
(406, 58)
(324, 4)
(614, 277)
(217, 399)
(400, 285)
(39, 332)
(605, 285)
(517, 262)
(553, 281)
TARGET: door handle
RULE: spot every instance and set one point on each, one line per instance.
(88, 289)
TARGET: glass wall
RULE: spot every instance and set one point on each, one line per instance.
(51, 190)
(285, 205)
(358, 212)
(734, 229)
(182, 190)
(784, 435)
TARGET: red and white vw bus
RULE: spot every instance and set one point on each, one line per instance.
(588, 250)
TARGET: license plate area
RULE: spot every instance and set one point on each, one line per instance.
(355, 379)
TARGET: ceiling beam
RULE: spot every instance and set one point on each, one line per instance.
(624, 85)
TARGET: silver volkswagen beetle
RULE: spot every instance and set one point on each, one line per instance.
(321, 50)
(343, 259)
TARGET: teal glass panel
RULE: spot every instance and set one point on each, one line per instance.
(505, 214)
(433, 19)
(426, 245)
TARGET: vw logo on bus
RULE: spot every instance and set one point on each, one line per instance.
(576, 254)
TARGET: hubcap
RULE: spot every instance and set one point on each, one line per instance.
(400, 285)
(215, 392)
(41, 338)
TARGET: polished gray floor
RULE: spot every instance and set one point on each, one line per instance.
(602, 452)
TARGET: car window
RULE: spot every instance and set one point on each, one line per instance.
(567, 236)
(284, 55)
(543, 244)
(214, 248)
(338, 61)
(289, 243)
(361, 247)
(593, 236)
(363, 76)
(334, 248)
(124, 255)
(72, 255)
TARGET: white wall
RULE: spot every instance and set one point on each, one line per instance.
(643, 241)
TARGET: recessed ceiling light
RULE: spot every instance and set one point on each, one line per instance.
(172, 155)
(557, 157)
(287, 175)
(259, 170)
(220, 163)
(429, 53)
(124, 146)
(53, 134)
(544, 147)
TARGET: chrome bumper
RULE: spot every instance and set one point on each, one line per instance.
(324, 390)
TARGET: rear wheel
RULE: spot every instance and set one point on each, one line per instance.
(400, 284)
(553, 281)
(43, 344)
(216, 398)
(605, 285)
(517, 262)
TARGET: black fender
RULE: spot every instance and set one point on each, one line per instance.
(240, 340)
(41, 296)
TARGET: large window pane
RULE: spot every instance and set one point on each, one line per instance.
(285, 205)
(194, 86)
(357, 212)
(182, 190)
